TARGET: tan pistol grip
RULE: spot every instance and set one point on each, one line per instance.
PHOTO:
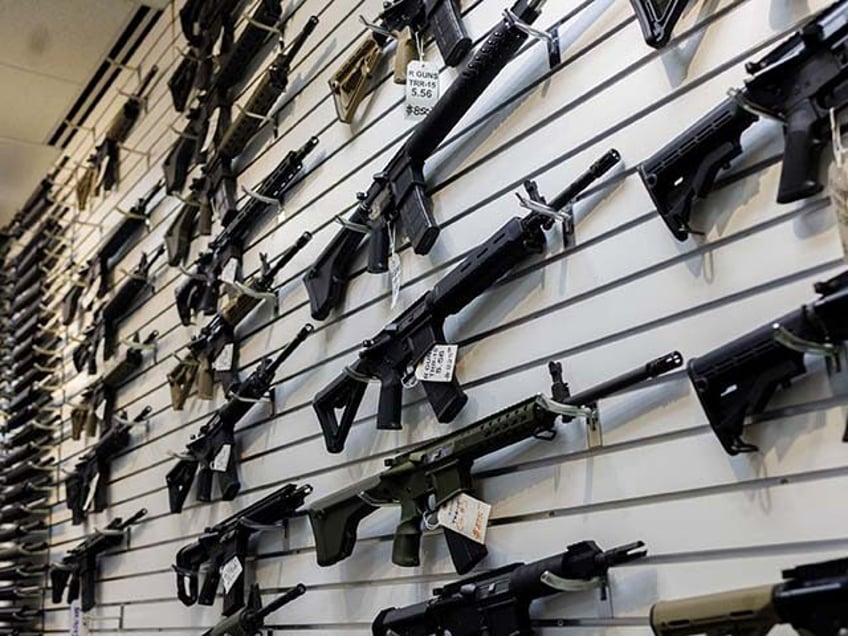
(405, 53)
(205, 382)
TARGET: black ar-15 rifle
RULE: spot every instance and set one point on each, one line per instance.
(231, 72)
(228, 542)
(84, 414)
(87, 487)
(430, 475)
(407, 22)
(109, 150)
(231, 65)
(405, 342)
(106, 320)
(798, 82)
(398, 194)
(216, 190)
(201, 290)
(77, 570)
(121, 239)
(813, 600)
(213, 449)
(197, 368)
(203, 23)
(497, 603)
(250, 619)
(739, 378)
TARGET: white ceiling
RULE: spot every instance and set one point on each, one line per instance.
(49, 49)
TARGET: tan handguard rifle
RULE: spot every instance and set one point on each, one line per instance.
(813, 600)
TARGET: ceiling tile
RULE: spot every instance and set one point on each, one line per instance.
(66, 39)
(32, 105)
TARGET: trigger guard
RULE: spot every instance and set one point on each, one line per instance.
(430, 520)
(410, 380)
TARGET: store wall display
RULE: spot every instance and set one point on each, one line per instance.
(534, 301)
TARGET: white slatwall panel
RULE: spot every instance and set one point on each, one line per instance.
(626, 292)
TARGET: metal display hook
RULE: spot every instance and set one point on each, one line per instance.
(350, 225)
(376, 28)
(272, 201)
(135, 151)
(183, 134)
(241, 288)
(793, 342)
(274, 30)
(125, 67)
(84, 129)
(236, 396)
(746, 104)
(550, 38)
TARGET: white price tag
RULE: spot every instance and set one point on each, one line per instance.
(438, 365)
(395, 272)
(230, 572)
(395, 278)
(838, 182)
(92, 488)
(88, 296)
(230, 271)
(422, 89)
(75, 609)
(100, 411)
(466, 515)
(222, 459)
(224, 361)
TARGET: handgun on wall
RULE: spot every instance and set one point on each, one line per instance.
(813, 599)
(799, 83)
(740, 377)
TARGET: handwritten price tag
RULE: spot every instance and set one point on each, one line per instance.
(422, 89)
(76, 628)
(467, 516)
(838, 181)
